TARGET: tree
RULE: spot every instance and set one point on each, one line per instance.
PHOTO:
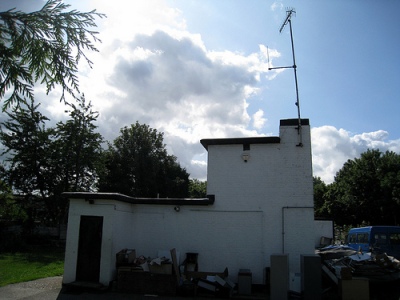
(320, 190)
(27, 143)
(10, 210)
(389, 175)
(137, 164)
(77, 149)
(334, 208)
(43, 46)
(43, 163)
(76, 157)
(174, 180)
(366, 190)
(197, 188)
(27, 157)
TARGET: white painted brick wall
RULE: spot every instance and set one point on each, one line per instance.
(246, 224)
(275, 176)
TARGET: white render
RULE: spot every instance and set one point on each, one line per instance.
(263, 206)
(323, 229)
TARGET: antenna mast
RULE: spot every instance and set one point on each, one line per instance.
(289, 13)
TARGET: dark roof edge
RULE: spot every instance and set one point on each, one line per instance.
(241, 141)
(294, 122)
(135, 200)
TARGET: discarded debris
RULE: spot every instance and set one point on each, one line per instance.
(346, 262)
(163, 275)
(220, 286)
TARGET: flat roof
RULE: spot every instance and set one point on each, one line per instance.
(241, 141)
(294, 122)
(209, 200)
(253, 140)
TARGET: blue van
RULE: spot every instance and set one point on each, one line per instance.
(380, 239)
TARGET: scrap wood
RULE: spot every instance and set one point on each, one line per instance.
(207, 284)
(330, 274)
(175, 264)
(384, 261)
(198, 275)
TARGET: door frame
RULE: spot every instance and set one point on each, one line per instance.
(90, 240)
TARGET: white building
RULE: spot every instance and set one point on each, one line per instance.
(261, 204)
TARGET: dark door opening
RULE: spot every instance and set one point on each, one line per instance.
(89, 249)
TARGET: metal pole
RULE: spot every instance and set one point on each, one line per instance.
(297, 87)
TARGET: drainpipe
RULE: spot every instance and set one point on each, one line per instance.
(283, 221)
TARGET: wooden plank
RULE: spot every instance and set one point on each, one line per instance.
(330, 274)
(176, 267)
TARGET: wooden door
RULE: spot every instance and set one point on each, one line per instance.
(89, 249)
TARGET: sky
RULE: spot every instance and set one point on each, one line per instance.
(196, 69)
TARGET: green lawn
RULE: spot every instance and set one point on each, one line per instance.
(35, 263)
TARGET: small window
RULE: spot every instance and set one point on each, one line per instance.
(395, 238)
(352, 238)
(362, 238)
(246, 147)
(380, 238)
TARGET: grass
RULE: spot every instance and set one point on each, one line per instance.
(37, 262)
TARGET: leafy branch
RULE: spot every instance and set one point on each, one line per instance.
(44, 46)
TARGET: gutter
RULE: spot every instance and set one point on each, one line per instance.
(91, 197)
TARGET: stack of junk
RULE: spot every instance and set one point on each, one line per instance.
(164, 275)
(354, 269)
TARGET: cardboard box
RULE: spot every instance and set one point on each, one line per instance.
(161, 269)
(197, 275)
(345, 273)
(355, 289)
(206, 284)
(125, 257)
(129, 269)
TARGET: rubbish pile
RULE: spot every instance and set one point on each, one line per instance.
(164, 275)
(126, 259)
(346, 263)
(210, 283)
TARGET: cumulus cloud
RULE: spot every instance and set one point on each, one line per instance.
(258, 119)
(178, 84)
(153, 70)
(332, 147)
(277, 5)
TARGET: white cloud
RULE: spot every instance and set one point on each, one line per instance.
(332, 147)
(258, 119)
(270, 54)
(151, 69)
(125, 19)
(277, 5)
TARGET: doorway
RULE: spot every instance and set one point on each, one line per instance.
(89, 249)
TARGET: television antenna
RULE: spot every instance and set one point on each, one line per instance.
(288, 20)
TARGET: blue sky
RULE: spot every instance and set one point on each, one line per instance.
(198, 69)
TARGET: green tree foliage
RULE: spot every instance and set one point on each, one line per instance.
(320, 190)
(43, 46)
(43, 163)
(197, 188)
(137, 164)
(77, 149)
(76, 156)
(10, 210)
(27, 143)
(366, 190)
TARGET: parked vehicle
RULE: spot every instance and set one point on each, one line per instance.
(378, 239)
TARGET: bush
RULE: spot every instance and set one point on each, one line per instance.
(12, 242)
